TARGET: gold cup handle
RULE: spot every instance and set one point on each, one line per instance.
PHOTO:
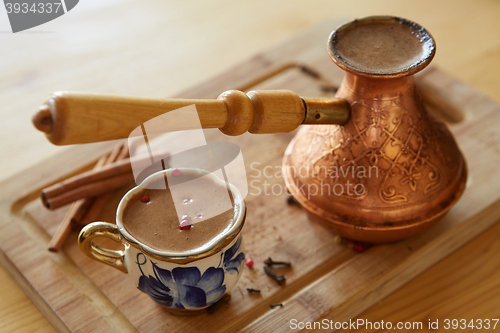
(113, 258)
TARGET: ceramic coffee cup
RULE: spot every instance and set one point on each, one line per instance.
(181, 283)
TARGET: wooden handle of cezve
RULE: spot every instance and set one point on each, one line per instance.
(74, 117)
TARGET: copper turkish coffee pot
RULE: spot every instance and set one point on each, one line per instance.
(376, 167)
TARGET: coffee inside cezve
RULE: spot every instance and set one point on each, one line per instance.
(381, 47)
(155, 221)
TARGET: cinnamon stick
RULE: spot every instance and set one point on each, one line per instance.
(92, 183)
(99, 202)
(76, 209)
(80, 208)
(107, 171)
(92, 189)
(93, 212)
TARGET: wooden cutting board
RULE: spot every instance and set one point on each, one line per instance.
(326, 280)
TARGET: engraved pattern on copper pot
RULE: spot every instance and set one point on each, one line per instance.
(413, 169)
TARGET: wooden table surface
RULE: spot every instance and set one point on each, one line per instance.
(157, 48)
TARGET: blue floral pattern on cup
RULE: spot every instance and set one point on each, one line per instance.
(232, 262)
(186, 287)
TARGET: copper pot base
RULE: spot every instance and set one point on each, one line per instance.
(379, 234)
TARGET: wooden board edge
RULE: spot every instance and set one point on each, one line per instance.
(62, 270)
(32, 294)
(25, 184)
(266, 65)
(453, 240)
(434, 251)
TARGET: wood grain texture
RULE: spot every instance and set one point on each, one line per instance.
(78, 117)
(451, 289)
(276, 111)
(68, 118)
(320, 283)
(91, 51)
(165, 53)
